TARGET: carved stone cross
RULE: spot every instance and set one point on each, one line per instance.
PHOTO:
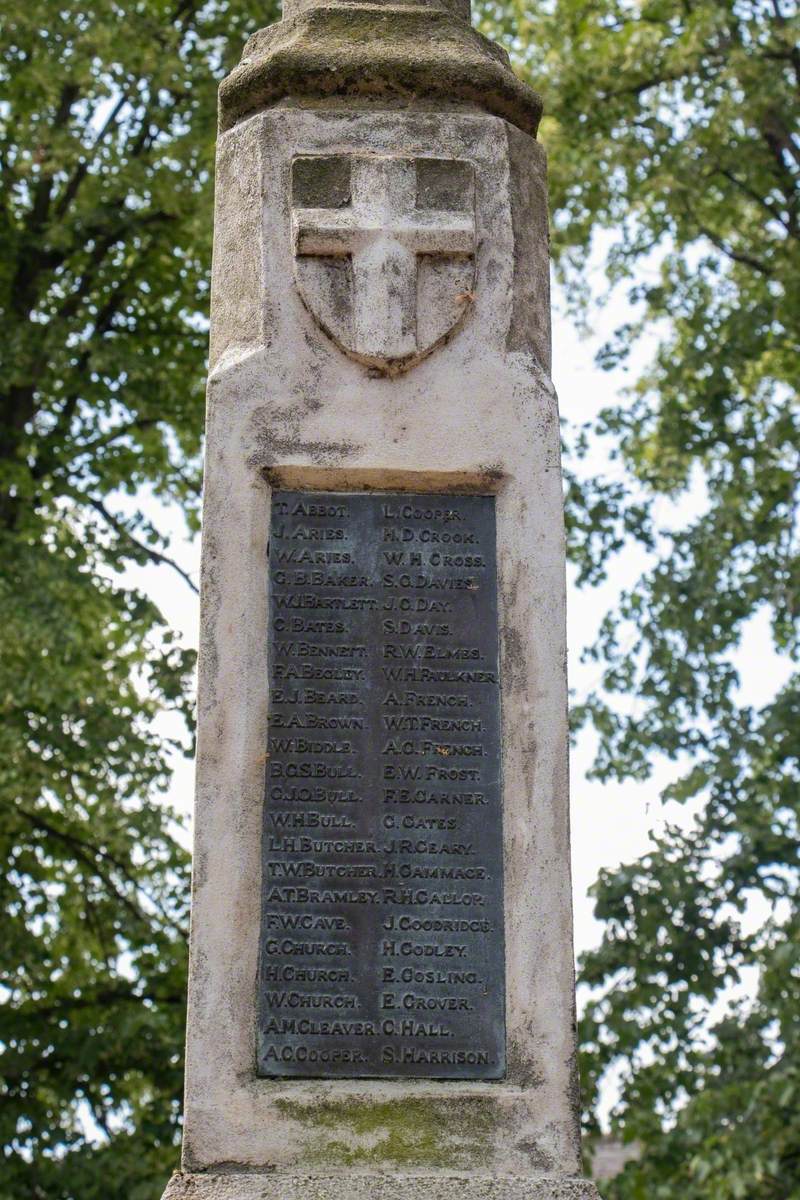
(382, 215)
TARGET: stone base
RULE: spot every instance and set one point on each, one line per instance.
(260, 1186)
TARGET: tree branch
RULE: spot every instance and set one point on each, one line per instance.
(735, 255)
(89, 853)
(637, 89)
(790, 225)
(80, 172)
(109, 438)
(780, 140)
(154, 556)
(102, 999)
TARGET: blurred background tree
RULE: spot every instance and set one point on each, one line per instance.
(674, 147)
(107, 126)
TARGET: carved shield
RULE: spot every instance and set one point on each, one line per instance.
(384, 251)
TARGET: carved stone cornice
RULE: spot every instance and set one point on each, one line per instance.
(395, 53)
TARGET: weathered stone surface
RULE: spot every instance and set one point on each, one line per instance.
(288, 409)
(390, 53)
(378, 1187)
(457, 8)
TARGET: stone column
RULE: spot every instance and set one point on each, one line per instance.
(381, 342)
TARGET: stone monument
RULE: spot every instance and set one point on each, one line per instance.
(381, 1002)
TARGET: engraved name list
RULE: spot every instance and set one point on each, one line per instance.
(381, 948)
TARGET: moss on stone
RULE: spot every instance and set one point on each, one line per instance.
(399, 1133)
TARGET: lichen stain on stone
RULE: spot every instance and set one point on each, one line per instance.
(536, 1156)
(210, 615)
(513, 661)
(518, 1059)
(491, 474)
(199, 869)
(574, 1081)
(402, 1133)
(276, 434)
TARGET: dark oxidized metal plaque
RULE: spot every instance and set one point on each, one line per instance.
(382, 903)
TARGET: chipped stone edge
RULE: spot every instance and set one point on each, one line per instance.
(260, 1186)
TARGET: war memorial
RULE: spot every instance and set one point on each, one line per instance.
(381, 1001)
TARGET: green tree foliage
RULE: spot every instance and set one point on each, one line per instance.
(673, 125)
(107, 124)
(673, 133)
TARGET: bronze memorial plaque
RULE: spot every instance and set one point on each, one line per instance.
(382, 902)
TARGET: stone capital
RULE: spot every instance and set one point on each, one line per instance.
(386, 52)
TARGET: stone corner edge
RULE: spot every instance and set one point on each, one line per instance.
(269, 1186)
